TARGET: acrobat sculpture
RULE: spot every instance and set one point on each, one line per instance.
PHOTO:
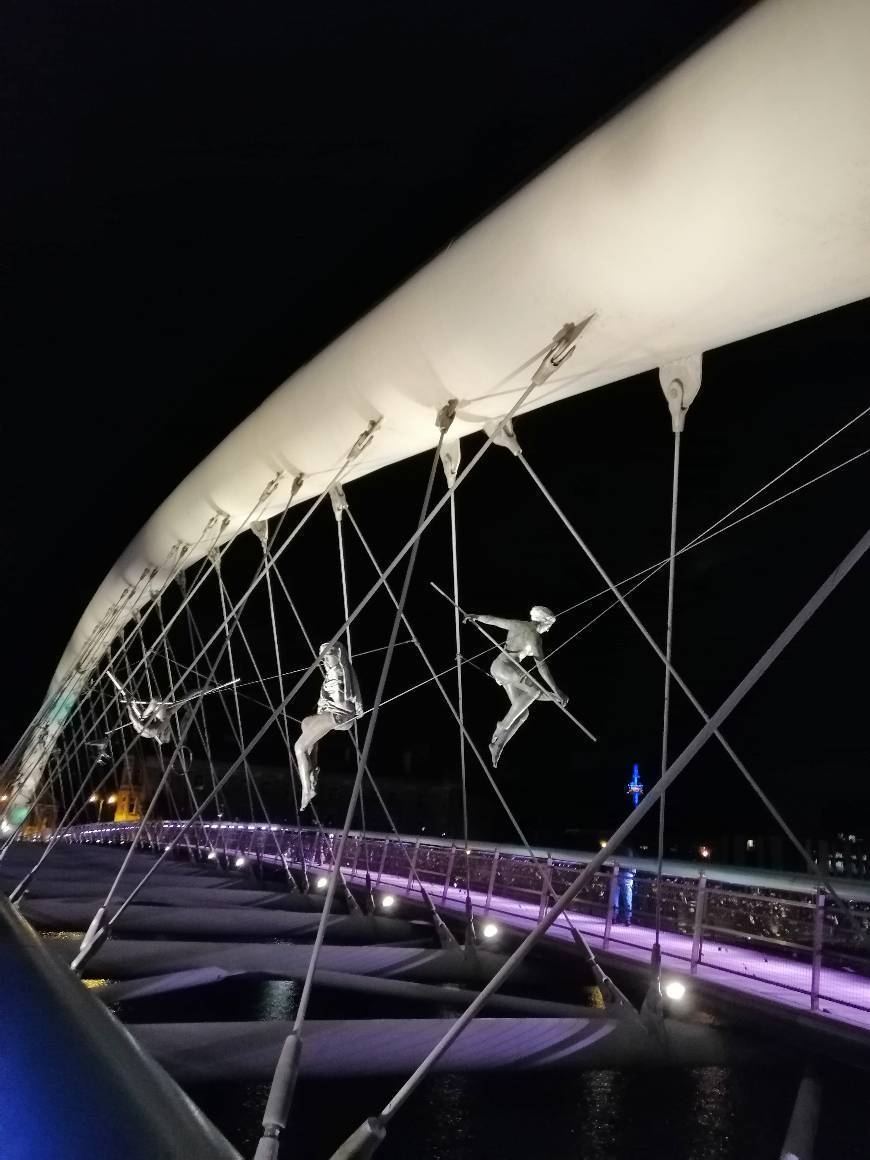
(338, 706)
(523, 640)
(153, 719)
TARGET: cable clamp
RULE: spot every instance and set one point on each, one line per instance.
(364, 439)
(445, 417)
(270, 487)
(298, 480)
(561, 349)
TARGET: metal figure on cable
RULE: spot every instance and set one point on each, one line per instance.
(523, 640)
(153, 719)
(338, 707)
(102, 750)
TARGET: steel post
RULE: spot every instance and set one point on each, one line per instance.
(611, 900)
(383, 860)
(818, 940)
(492, 874)
(700, 914)
(449, 873)
(413, 863)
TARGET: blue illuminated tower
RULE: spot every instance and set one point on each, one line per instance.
(635, 786)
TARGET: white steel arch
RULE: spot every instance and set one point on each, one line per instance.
(731, 198)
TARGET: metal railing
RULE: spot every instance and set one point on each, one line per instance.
(771, 928)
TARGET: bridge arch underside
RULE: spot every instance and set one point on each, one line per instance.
(204, 658)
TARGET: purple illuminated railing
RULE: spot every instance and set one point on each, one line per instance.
(773, 934)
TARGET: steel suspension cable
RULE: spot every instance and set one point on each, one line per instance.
(233, 677)
(678, 680)
(339, 504)
(706, 534)
(283, 719)
(460, 704)
(541, 870)
(666, 706)
(560, 349)
(284, 1081)
(371, 1133)
(646, 574)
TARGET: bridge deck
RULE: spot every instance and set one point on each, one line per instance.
(769, 937)
(749, 972)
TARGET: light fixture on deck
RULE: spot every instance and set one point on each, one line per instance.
(240, 861)
(675, 990)
(322, 883)
(388, 901)
(212, 856)
(704, 851)
(490, 930)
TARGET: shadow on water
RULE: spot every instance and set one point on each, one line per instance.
(709, 1113)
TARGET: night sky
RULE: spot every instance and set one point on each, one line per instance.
(198, 198)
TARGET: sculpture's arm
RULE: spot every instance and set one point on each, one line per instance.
(495, 621)
(544, 669)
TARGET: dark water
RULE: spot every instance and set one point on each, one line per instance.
(711, 1113)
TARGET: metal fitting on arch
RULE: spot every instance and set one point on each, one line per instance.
(681, 381)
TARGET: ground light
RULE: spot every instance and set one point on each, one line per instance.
(322, 883)
(387, 901)
(675, 990)
(240, 861)
(212, 856)
(490, 930)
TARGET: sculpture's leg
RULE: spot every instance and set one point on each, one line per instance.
(313, 729)
(516, 716)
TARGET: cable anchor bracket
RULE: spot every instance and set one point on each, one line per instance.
(338, 500)
(503, 435)
(681, 381)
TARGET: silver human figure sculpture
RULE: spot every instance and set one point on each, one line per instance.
(338, 706)
(153, 719)
(523, 640)
(102, 750)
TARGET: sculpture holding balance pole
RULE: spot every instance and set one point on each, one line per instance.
(338, 707)
(523, 640)
(153, 719)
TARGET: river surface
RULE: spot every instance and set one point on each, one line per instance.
(710, 1113)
